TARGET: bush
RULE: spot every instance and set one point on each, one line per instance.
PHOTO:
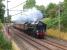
(51, 22)
(4, 44)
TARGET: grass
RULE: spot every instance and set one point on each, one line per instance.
(57, 34)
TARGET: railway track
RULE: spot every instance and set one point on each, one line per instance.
(34, 44)
(57, 41)
(55, 44)
(51, 43)
(44, 43)
(18, 42)
(23, 45)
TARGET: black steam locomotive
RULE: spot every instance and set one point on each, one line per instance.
(36, 30)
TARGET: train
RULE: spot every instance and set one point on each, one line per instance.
(31, 30)
(30, 22)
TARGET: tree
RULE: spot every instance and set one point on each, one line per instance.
(8, 19)
(2, 11)
(64, 15)
(51, 10)
(29, 4)
(41, 8)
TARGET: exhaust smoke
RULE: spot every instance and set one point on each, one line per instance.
(30, 15)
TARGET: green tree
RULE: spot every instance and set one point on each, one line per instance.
(29, 4)
(51, 10)
(64, 15)
(2, 11)
(41, 8)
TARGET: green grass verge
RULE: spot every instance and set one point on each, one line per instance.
(4, 44)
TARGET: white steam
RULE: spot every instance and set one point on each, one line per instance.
(30, 15)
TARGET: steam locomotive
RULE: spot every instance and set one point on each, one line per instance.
(31, 29)
(29, 23)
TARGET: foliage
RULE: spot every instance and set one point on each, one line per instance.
(51, 10)
(2, 11)
(4, 44)
(53, 16)
(52, 22)
(29, 4)
(64, 15)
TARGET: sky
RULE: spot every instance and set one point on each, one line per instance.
(13, 3)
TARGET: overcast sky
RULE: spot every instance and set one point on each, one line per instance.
(14, 3)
